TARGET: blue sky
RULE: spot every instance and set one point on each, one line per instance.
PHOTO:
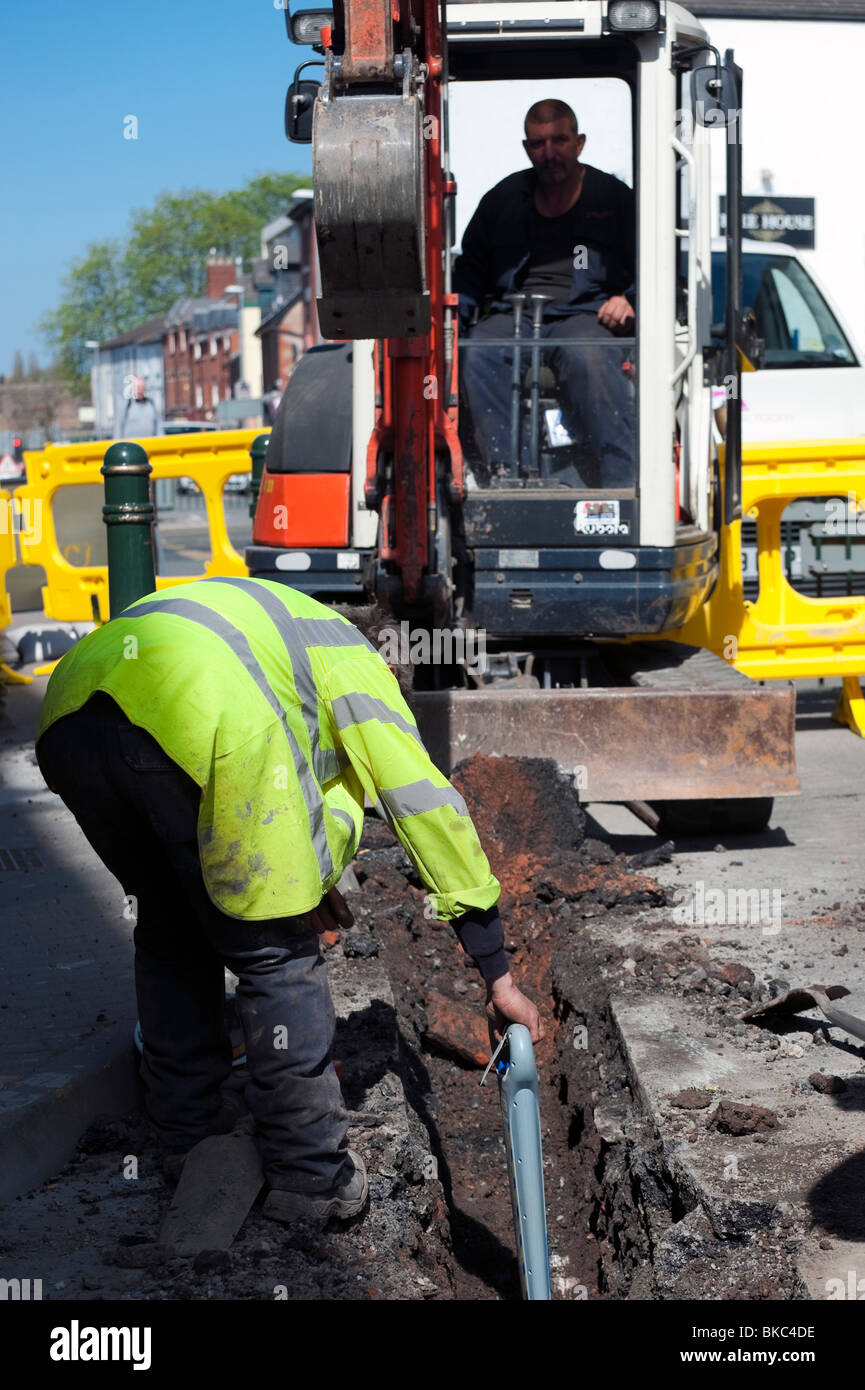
(207, 83)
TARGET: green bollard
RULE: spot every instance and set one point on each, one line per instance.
(257, 452)
(128, 513)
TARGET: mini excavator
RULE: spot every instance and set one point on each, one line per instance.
(374, 483)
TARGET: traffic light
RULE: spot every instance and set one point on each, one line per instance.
(17, 451)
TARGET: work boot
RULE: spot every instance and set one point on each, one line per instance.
(347, 1198)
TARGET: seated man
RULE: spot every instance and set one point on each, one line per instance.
(566, 230)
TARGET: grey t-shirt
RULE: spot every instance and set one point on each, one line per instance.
(553, 245)
(138, 420)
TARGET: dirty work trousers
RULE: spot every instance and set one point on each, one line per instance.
(596, 394)
(139, 811)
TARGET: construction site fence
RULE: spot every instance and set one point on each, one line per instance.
(783, 634)
(8, 557)
(79, 593)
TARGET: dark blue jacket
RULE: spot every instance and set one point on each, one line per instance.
(497, 243)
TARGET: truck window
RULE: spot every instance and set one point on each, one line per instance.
(797, 324)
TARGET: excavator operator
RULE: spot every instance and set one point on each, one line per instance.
(564, 230)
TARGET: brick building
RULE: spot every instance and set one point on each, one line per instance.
(200, 346)
(212, 352)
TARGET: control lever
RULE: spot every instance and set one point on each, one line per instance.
(539, 303)
(518, 303)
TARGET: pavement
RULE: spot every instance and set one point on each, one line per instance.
(800, 1182)
(96, 1231)
(68, 1011)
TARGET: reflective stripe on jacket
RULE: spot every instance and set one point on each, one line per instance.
(284, 715)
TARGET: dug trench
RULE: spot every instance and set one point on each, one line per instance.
(553, 880)
(623, 1222)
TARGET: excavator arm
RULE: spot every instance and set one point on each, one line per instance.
(379, 215)
(370, 175)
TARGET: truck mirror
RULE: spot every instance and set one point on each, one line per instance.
(299, 103)
(715, 96)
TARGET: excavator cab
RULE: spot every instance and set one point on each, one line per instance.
(548, 395)
(530, 476)
(591, 472)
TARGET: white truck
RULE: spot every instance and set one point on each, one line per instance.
(809, 385)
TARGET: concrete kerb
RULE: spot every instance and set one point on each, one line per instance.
(663, 1056)
(65, 954)
(42, 1120)
(743, 1189)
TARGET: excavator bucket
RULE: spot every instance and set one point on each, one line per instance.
(683, 725)
(368, 169)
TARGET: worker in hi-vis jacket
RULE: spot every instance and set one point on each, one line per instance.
(215, 742)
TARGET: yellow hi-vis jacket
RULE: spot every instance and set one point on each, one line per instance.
(284, 715)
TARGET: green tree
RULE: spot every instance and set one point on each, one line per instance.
(114, 286)
(95, 303)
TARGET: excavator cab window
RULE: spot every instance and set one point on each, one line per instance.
(547, 392)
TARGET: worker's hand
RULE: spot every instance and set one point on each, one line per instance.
(617, 314)
(331, 913)
(506, 1004)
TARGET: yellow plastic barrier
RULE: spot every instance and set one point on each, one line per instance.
(8, 561)
(782, 634)
(70, 590)
(8, 557)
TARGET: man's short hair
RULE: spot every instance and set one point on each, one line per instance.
(545, 112)
(379, 627)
